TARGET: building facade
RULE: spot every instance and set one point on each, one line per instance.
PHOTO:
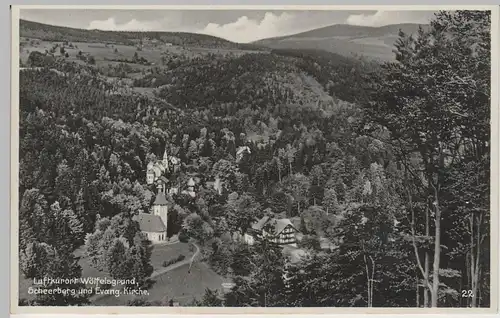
(160, 173)
(154, 224)
(279, 231)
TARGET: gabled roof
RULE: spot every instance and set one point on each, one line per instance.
(191, 182)
(160, 165)
(150, 223)
(242, 149)
(160, 199)
(165, 180)
(281, 224)
(278, 224)
(260, 224)
(156, 170)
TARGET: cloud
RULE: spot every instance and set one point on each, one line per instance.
(381, 18)
(247, 27)
(243, 29)
(246, 30)
(132, 25)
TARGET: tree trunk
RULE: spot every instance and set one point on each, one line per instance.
(417, 291)
(369, 276)
(372, 280)
(475, 253)
(426, 280)
(426, 269)
(472, 262)
(424, 272)
(368, 282)
(437, 250)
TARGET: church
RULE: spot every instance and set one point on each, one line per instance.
(158, 173)
(154, 224)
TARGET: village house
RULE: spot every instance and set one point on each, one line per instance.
(190, 188)
(241, 152)
(154, 224)
(279, 231)
(155, 170)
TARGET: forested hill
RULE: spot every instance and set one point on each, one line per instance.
(389, 163)
(48, 32)
(348, 40)
(284, 76)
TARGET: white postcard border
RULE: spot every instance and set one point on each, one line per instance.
(14, 165)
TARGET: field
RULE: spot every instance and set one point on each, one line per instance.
(100, 51)
(104, 53)
(177, 284)
(167, 252)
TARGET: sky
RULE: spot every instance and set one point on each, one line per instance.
(235, 25)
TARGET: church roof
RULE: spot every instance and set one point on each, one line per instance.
(160, 165)
(191, 182)
(160, 199)
(157, 170)
(150, 222)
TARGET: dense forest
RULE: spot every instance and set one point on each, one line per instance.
(393, 167)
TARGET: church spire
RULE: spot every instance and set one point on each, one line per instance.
(165, 158)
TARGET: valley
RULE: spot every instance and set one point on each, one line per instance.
(322, 169)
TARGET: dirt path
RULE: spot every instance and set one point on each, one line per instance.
(178, 264)
(157, 273)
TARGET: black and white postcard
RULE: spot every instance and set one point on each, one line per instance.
(254, 159)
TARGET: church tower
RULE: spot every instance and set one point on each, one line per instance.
(165, 159)
(160, 206)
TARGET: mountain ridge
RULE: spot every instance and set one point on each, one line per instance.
(344, 39)
(348, 30)
(62, 33)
